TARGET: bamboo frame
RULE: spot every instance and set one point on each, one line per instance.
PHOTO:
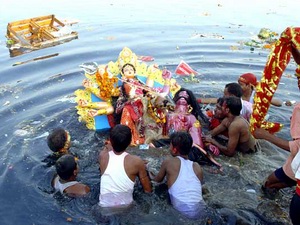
(36, 32)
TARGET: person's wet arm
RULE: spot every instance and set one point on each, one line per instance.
(219, 129)
(162, 172)
(144, 179)
(260, 133)
(198, 171)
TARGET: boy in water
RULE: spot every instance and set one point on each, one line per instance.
(180, 171)
(119, 171)
(59, 142)
(65, 180)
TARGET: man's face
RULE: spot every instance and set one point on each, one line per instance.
(244, 86)
(218, 111)
(226, 93)
(225, 109)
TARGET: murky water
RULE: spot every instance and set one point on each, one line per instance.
(38, 96)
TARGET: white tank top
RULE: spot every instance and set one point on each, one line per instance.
(116, 187)
(186, 192)
(62, 186)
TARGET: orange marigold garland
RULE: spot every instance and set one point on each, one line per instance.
(106, 85)
(277, 62)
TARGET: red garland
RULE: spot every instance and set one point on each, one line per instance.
(276, 64)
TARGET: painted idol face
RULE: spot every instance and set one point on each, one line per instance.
(128, 71)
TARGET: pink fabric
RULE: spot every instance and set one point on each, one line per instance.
(246, 110)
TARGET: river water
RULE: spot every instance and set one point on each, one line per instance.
(37, 96)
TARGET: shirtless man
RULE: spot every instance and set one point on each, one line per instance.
(119, 170)
(239, 137)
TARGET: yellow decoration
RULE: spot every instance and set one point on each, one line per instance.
(197, 124)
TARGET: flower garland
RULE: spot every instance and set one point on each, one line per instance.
(159, 117)
(106, 85)
(276, 64)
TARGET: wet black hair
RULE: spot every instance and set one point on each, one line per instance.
(234, 104)
(234, 89)
(56, 139)
(183, 141)
(120, 137)
(220, 101)
(65, 166)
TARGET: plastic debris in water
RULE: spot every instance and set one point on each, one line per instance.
(184, 69)
(251, 191)
(6, 103)
(20, 132)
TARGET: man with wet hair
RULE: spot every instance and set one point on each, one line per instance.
(180, 171)
(65, 180)
(119, 170)
(234, 89)
(239, 136)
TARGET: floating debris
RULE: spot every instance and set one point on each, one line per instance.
(191, 79)
(36, 33)
(215, 36)
(6, 103)
(21, 132)
(265, 39)
(35, 59)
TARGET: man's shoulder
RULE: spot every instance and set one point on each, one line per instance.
(133, 158)
(239, 124)
(103, 154)
(171, 161)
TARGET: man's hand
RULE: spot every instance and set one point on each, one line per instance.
(207, 138)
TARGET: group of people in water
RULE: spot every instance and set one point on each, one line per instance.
(140, 114)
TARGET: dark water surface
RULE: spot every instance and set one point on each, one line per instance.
(38, 96)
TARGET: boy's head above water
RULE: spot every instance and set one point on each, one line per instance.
(59, 140)
(66, 167)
